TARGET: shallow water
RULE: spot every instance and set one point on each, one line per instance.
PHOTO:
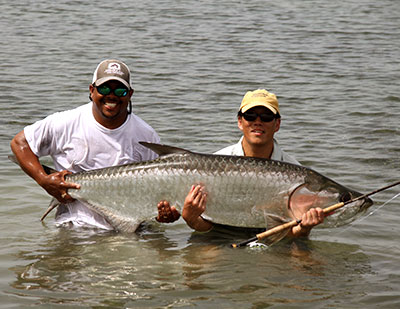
(335, 69)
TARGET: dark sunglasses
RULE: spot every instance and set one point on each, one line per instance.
(105, 90)
(252, 116)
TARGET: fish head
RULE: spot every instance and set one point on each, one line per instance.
(320, 191)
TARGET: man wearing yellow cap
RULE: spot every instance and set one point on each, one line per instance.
(259, 119)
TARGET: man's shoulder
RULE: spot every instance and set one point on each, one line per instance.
(61, 119)
(140, 125)
(280, 155)
(226, 151)
(136, 130)
(232, 150)
(71, 114)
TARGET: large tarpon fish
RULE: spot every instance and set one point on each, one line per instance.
(242, 191)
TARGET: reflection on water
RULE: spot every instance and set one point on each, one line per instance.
(80, 269)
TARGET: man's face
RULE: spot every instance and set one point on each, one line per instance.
(109, 109)
(258, 132)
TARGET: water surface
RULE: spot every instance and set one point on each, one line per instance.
(335, 69)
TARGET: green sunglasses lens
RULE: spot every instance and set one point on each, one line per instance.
(121, 92)
(104, 90)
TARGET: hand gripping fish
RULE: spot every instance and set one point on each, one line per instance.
(242, 191)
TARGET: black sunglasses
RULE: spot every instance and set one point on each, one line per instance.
(252, 116)
(105, 90)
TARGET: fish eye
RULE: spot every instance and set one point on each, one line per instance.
(345, 197)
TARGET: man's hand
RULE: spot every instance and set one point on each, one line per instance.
(167, 213)
(56, 185)
(311, 218)
(194, 206)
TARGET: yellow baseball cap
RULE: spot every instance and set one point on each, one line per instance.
(259, 97)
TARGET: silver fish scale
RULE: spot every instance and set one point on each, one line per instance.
(241, 191)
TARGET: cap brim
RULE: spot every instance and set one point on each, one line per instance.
(107, 78)
(254, 104)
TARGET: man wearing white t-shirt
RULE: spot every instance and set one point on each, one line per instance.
(101, 133)
(259, 119)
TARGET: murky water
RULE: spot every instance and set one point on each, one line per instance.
(335, 68)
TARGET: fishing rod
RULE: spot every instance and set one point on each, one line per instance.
(293, 223)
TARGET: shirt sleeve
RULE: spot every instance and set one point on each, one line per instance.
(39, 137)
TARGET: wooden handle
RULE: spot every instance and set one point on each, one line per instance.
(277, 229)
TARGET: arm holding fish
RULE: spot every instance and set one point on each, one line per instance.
(309, 219)
(193, 207)
(54, 183)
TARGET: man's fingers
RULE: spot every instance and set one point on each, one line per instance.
(175, 213)
(312, 217)
(68, 185)
(167, 213)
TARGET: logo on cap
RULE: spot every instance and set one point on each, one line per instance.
(260, 94)
(114, 69)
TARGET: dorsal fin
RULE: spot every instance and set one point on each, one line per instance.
(163, 150)
(46, 168)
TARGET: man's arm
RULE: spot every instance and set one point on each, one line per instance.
(54, 184)
(194, 206)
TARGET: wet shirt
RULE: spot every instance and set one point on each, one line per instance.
(77, 142)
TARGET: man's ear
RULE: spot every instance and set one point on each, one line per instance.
(240, 123)
(91, 89)
(277, 124)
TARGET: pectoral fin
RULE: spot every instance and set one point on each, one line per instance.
(53, 204)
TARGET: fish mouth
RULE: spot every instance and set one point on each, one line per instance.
(350, 212)
(347, 196)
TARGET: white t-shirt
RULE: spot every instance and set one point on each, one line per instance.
(277, 154)
(77, 142)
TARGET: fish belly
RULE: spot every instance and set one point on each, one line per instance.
(234, 198)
